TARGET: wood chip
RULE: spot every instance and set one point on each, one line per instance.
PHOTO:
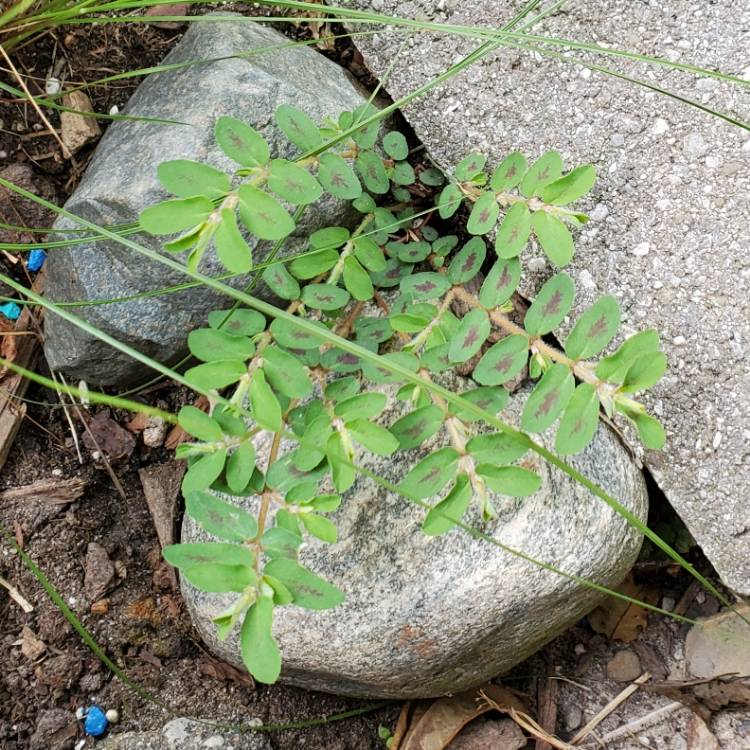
(177, 9)
(53, 491)
(547, 709)
(699, 736)
(76, 130)
(100, 572)
(161, 486)
(31, 646)
(16, 595)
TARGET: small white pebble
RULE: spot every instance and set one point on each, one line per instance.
(678, 340)
(717, 440)
(80, 713)
(658, 285)
(668, 603)
(57, 472)
(52, 86)
(660, 126)
(114, 110)
(113, 715)
(585, 73)
(96, 455)
(642, 249)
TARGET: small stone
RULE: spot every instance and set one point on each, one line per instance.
(694, 146)
(100, 608)
(77, 130)
(95, 724)
(668, 603)
(617, 140)
(572, 717)
(52, 86)
(642, 249)
(31, 646)
(503, 734)
(113, 715)
(99, 571)
(660, 126)
(624, 667)
(679, 340)
(155, 432)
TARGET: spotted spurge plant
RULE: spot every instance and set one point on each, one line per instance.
(425, 301)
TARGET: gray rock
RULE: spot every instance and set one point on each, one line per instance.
(185, 734)
(659, 188)
(121, 181)
(425, 616)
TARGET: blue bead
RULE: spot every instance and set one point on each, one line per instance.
(11, 310)
(96, 722)
(36, 259)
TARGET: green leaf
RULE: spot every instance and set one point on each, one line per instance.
(240, 466)
(215, 375)
(380, 374)
(615, 367)
(286, 373)
(342, 388)
(402, 173)
(239, 322)
(176, 215)
(496, 448)
(514, 232)
(489, 398)
(501, 282)
(483, 215)
(221, 579)
(260, 652)
(449, 201)
(186, 241)
(298, 127)
(471, 334)
(330, 238)
(579, 422)
(570, 188)
(337, 177)
(312, 264)
(231, 247)
(325, 296)
(362, 406)
(468, 261)
(292, 337)
(369, 254)
(547, 168)
(554, 237)
(185, 178)
(199, 425)
(548, 399)
(325, 503)
(311, 450)
(417, 427)
(510, 480)
(263, 402)
(281, 282)
(370, 166)
(645, 371)
(204, 472)
(375, 330)
(263, 215)
(320, 527)
(189, 555)
(443, 245)
(357, 280)
(447, 512)
(594, 329)
(431, 474)
(509, 173)
(470, 166)
(220, 518)
(419, 316)
(240, 142)
(431, 177)
(292, 183)
(502, 361)
(411, 252)
(210, 345)
(395, 145)
(425, 286)
(366, 136)
(343, 473)
(309, 591)
(372, 436)
(650, 431)
(281, 542)
(552, 304)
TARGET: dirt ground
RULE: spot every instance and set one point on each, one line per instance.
(46, 671)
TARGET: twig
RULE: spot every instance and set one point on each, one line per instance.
(16, 596)
(637, 724)
(546, 709)
(73, 431)
(610, 707)
(401, 725)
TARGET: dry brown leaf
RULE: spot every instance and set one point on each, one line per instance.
(138, 423)
(99, 573)
(446, 717)
(620, 620)
(220, 670)
(699, 736)
(31, 646)
(161, 486)
(107, 436)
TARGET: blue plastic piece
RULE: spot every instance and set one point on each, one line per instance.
(96, 722)
(11, 310)
(36, 259)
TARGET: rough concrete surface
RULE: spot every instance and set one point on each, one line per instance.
(669, 231)
(426, 616)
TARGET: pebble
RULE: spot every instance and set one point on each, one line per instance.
(96, 722)
(52, 86)
(572, 717)
(660, 127)
(11, 310)
(113, 716)
(679, 340)
(35, 259)
(641, 249)
(624, 667)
